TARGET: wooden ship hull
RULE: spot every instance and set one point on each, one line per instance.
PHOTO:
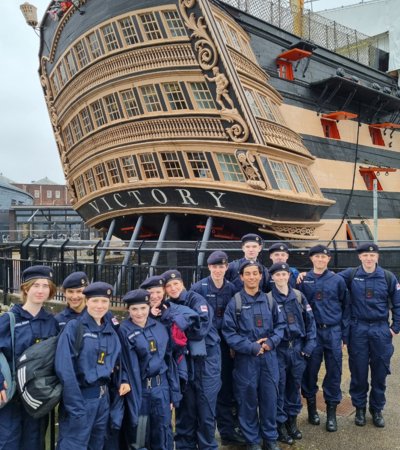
(189, 110)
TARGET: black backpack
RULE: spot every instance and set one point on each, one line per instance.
(37, 382)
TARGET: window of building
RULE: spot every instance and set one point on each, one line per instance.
(150, 98)
(71, 63)
(86, 120)
(230, 167)
(149, 165)
(281, 176)
(199, 164)
(221, 30)
(113, 171)
(101, 175)
(266, 108)
(36, 193)
(128, 166)
(98, 113)
(110, 38)
(234, 38)
(80, 187)
(81, 54)
(376, 136)
(174, 23)
(150, 26)
(58, 194)
(63, 73)
(49, 194)
(330, 128)
(175, 96)
(202, 95)
(56, 82)
(112, 107)
(295, 173)
(69, 139)
(129, 102)
(94, 45)
(172, 164)
(309, 181)
(91, 183)
(76, 129)
(129, 31)
(252, 102)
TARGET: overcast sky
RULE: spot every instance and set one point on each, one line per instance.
(27, 148)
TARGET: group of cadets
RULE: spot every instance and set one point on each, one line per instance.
(237, 350)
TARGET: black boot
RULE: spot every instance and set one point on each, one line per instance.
(360, 419)
(236, 438)
(313, 416)
(377, 418)
(291, 426)
(283, 434)
(331, 424)
(271, 445)
(253, 447)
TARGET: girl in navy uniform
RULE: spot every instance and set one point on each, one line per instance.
(18, 430)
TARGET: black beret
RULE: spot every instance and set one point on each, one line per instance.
(248, 263)
(218, 257)
(368, 247)
(278, 247)
(319, 249)
(171, 275)
(154, 281)
(37, 272)
(98, 289)
(75, 280)
(252, 238)
(137, 296)
(279, 267)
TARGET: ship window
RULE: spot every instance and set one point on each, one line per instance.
(150, 97)
(175, 24)
(113, 171)
(376, 136)
(330, 129)
(221, 30)
(97, 109)
(297, 179)
(94, 45)
(281, 176)
(175, 96)
(230, 167)
(266, 107)
(101, 175)
(172, 164)
(128, 166)
(310, 181)
(80, 187)
(129, 102)
(129, 31)
(112, 107)
(234, 38)
(252, 102)
(110, 37)
(199, 164)
(149, 165)
(202, 95)
(150, 26)
(80, 49)
(277, 112)
(246, 48)
(69, 139)
(71, 63)
(91, 183)
(63, 73)
(86, 120)
(56, 83)
(285, 70)
(76, 128)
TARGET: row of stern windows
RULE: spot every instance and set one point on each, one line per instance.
(174, 165)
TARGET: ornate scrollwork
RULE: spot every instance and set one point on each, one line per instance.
(249, 167)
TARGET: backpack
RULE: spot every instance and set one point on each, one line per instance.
(7, 371)
(37, 381)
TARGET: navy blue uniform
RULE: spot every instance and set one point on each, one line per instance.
(328, 297)
(195, 417)
(18, 430)
(294, 273)
(85, 407)
(65, 316)
(255, 377)
(232, 275)
(159, 379)
(370, 339)
(298, 342)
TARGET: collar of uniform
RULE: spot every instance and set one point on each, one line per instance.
(88, 320)
(23, 314)
(314, 275)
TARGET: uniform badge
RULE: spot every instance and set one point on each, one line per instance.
(152, 345)
(101, 357)
(108, 291)
(203, 308)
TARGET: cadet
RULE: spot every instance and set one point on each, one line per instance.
(297, 344)
(328, 297)
(195, 417)
(146, 343)
(252, 245)
(73, 287)
(373, 292)
(279, 253)
(218, 292)
(253, 328)
(18, 430)
(85, 407)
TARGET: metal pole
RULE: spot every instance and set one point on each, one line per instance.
(206, 238)
(159, 245)
(375, 207)
(106, 243)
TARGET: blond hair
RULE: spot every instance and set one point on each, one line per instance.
(28, 284)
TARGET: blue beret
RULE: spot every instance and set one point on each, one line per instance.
(250, 263)
(218, 257)
(368, 247)
(278, 247)
(137, 296)
(37, 272)
(319, 249)
(251, 237)
(154, 281)
(75, 280)
(98, 289)
(171, 275)
(278, 267)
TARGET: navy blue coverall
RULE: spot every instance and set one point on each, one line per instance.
(65, 316)
(370, 340)
(328, 297)
(18, 430)
(232, 275)
(294, 273)
(255, 378)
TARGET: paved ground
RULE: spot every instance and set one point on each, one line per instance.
(349, 436)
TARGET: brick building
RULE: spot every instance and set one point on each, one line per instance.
(46, 192)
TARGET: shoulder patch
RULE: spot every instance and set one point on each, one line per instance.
(308, 307)
(203, 308)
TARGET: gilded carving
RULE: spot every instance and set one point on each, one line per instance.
(248, 165)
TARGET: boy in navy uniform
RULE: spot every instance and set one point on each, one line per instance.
(279, 253)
